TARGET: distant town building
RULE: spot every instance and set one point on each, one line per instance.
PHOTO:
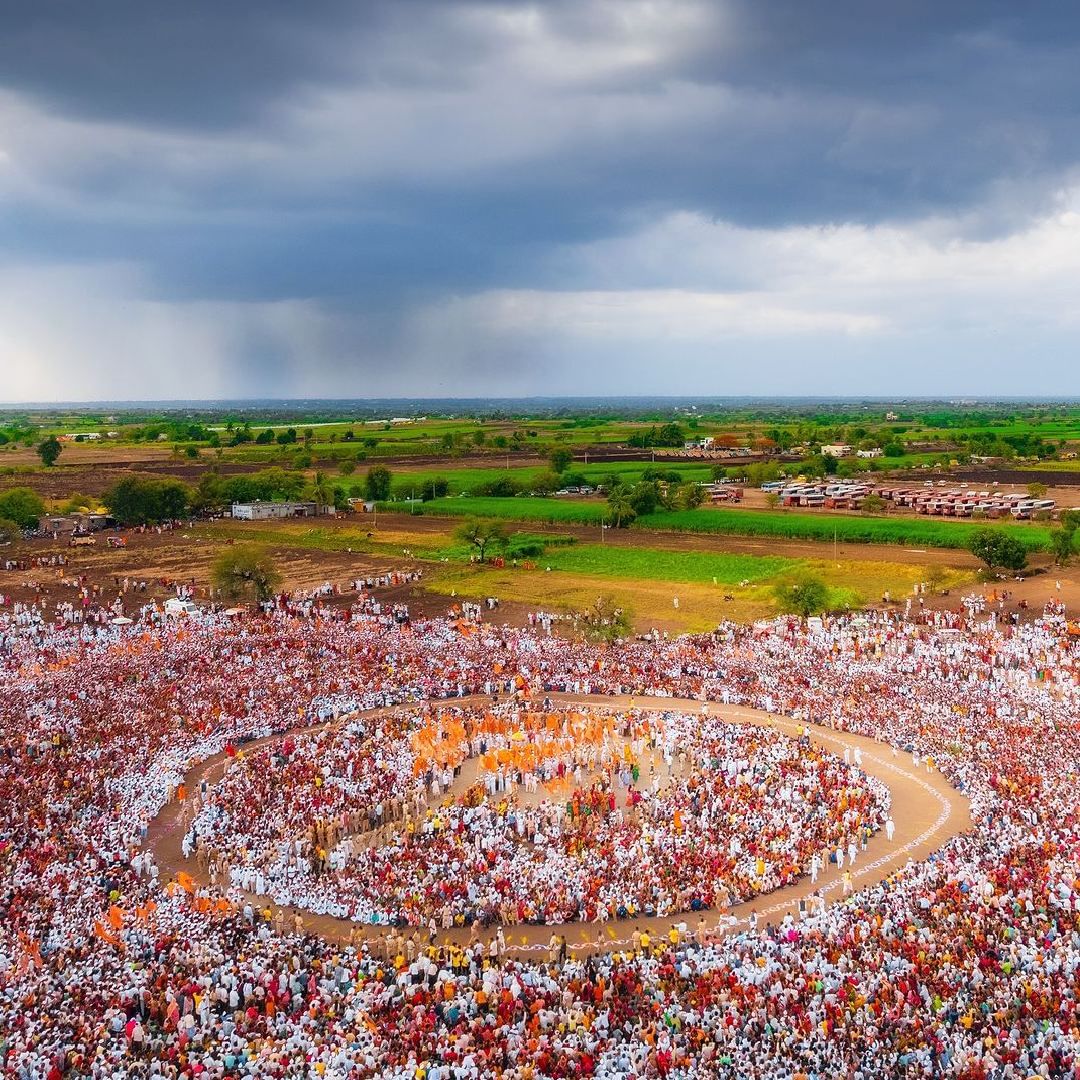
(706, 443)
(891, 416)
(266, 511)
(837, 450)
(874, 452)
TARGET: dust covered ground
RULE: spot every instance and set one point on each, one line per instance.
(338, 551)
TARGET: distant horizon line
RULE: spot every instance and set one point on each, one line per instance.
(241, 402)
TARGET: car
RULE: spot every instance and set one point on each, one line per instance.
(180, 609)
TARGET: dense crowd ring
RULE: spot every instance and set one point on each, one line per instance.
(339, 822)
(965, 965)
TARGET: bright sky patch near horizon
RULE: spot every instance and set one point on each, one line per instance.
(426, 197)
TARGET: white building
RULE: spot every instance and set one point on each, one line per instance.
(266, 511)
(837, 450)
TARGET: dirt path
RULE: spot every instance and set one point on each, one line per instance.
(927, 811)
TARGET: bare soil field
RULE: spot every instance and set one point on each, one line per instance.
(1019, 478)
(184, 556)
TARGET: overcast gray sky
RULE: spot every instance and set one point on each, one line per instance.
(590, 196)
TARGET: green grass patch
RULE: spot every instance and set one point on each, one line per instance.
(648, 564)
(552, 511)
(910, 531)
(318, 539)
(643, 564)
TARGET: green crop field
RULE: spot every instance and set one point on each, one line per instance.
(463, 480)
(914, 532)
(645, 564)
(550, 511)
(853, 530)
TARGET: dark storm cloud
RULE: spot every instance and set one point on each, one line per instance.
(189, 64)
(373, 157)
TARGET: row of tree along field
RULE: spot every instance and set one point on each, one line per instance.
(143, 499)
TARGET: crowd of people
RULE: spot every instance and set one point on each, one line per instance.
(641, 814)
(965, 965)
(97, 602)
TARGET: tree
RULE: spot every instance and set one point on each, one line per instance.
(502, 487)
(23, 506)
(620, 512)
(604, 621)
(644, 497)
(546, 483)
(689, 496)
(936, 576)
(436, 487)
(998, 549)
(1063, 539)
(560, 459)
(377, 484)
(1063, 545)
(670, 435)
(481, 535)
(321, 490)
(874, 504)
(145, 500)
(77, 503)
(10, 533)
(245, 573)
(772, 500)
(1036, 490)
(49, 450)
(806, 597)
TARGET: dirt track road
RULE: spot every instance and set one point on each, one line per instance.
(926, 809)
